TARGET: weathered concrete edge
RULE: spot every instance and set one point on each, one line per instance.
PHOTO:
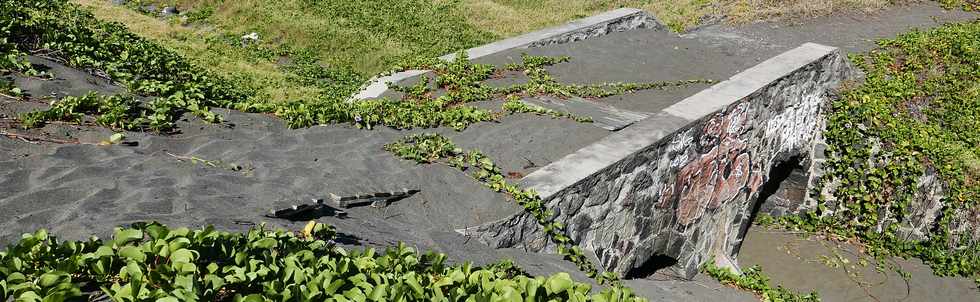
(541, 37)
(587, 161)
(378, 85)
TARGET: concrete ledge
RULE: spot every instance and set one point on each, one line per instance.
(587, 161)
(378, 85)
(618, 20)
(747, 82)
(612, 21)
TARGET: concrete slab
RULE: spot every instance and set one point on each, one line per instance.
(590, 160)
(613, 148)
(850, 31)
(603, 116)
(612, 21)
(377, 86)
(636, 56)
(618, 20)
(748, 82)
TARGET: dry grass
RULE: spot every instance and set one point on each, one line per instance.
(369, 36)
(741, 11)
(512, 17)
(507, 18)
(364, 36)
(197, 44)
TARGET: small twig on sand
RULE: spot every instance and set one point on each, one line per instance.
(193, 159)
(35, 139)
(530, 164)
(247, 171)
(9, 96)
(908, 286)
(863, 285)
(714, 288)
(14, 121)
(243, 222)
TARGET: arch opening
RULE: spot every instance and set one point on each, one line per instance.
(656, 263)
(784, 189)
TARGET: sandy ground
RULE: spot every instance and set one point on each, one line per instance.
(78, 190)
(836, 272)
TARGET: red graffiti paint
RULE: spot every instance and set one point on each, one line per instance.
(718, 175)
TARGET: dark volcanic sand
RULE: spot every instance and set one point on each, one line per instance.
(800, 264)
(81, 190)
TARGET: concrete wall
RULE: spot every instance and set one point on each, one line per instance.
(682, 183)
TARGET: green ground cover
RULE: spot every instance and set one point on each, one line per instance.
(917, 111)
(150, 262)
(175, 85)
(754, 280)
(178, 85)
(435, 148)
(919, 103)
(306, 44)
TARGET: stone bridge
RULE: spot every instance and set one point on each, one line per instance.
(684, 182)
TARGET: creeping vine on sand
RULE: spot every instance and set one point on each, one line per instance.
(431, 148)
(213, 163)
(151, 262)
(176, 86)
(464, 82)
(754, 280)
(917, 111)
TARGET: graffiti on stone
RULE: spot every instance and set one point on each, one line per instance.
(718, 175)
(689, 195)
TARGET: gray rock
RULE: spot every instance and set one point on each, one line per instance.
(169, 11)
(250, 38)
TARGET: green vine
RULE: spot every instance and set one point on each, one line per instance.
(113, 111)
(514, 105)
(431, 148)
(754, 280)
(917, 111)
(176, 86)
(73, 35)
(464, 82)
(150, 262)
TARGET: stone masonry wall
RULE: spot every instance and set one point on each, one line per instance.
(689, 195)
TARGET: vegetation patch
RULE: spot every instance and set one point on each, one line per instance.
(917, 111)
(113, 111)
(508, 18)
(431, 148)
(754, 280)
(464, 82)
(514, 105)
(234, 167)
(150, 262)
(61, 30)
